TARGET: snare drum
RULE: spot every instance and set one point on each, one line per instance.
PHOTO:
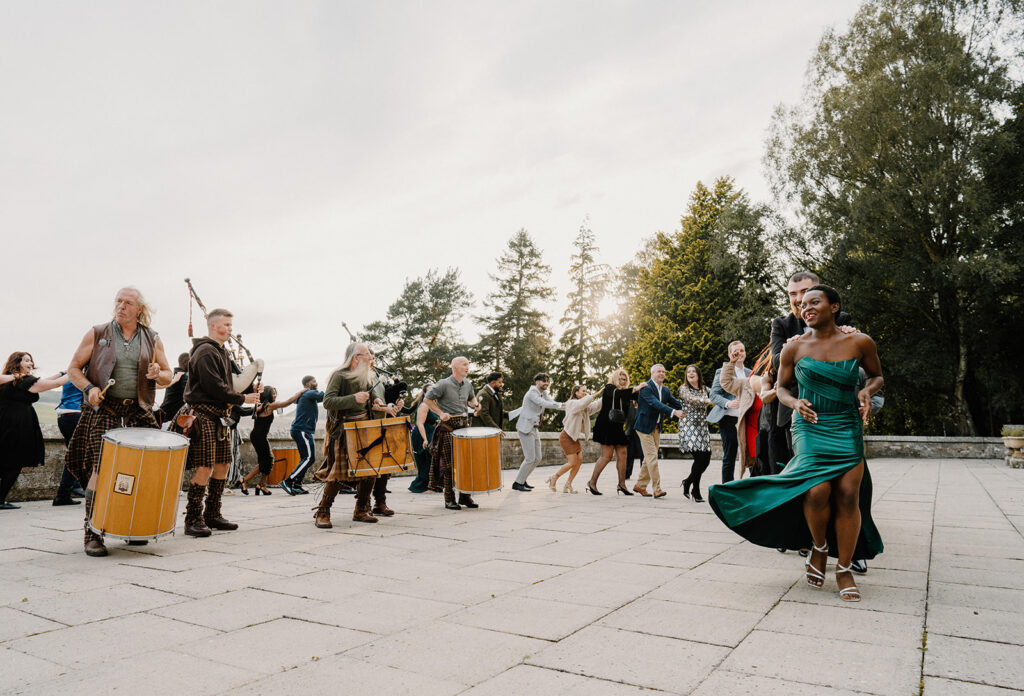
(285, 461)
(477, 454)
(137, 485)
(378, 447)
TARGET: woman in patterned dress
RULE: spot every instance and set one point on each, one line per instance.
(694, 437)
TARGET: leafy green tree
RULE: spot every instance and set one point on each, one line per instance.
(708, 284)
(618, 330)
(515, 339)
(418, 336)
(902, 166)
(578, 355)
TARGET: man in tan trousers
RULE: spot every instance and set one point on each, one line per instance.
(655, 403)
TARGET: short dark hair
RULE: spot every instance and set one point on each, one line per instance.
(183, 361)
(494, 376)
(831, 293)
(804, 275)
(307, 379)
(542, 377)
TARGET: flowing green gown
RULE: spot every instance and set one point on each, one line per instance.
(768, 510)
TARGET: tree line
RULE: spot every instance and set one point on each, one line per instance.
(898, 177)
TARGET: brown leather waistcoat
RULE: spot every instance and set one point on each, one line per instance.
(101, 364)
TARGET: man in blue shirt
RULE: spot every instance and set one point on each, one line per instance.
(303, 426)
(69, 410)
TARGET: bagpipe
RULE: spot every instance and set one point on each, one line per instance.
(248, 370)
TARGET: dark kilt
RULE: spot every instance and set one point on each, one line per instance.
(209, 441)
(83, 455)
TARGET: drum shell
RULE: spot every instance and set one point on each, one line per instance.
(137, 488)
(285, 461)
(391, 455)
(477, 458)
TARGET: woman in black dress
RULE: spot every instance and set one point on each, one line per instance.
(608, 430)
(21, 440)
(262, 418)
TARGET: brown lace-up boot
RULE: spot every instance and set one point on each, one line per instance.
(380, 497)
(322, 516)
(194, 525)
(362, 509)
(93, 542)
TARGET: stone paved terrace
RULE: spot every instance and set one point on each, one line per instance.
(537, 593)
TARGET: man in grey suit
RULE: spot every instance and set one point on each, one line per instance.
(535, 401)
(725, 411)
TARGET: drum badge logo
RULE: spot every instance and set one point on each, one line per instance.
(124, 484)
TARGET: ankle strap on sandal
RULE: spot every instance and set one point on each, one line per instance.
(820, 549)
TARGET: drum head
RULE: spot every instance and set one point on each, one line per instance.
(146, 438)
(475, 432)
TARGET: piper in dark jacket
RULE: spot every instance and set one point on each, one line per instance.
(491, 411)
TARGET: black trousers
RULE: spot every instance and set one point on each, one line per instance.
(727, 428)
(66, 423)
(633, 452)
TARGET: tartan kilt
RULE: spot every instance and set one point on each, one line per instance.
(335, 465)
(209, 441)
(83, 455)
(441, 446)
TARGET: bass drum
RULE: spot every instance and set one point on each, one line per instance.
(477, 455)
(138, 482)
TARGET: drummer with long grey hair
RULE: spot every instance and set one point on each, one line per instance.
(128, 353)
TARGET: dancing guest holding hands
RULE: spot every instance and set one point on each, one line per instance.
(694, 437)
(823, 496)
(263, 418)
(608, 430)
(21, 440)
(575, 429)
(653, 396)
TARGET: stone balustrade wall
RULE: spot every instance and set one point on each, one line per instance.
(41, 482)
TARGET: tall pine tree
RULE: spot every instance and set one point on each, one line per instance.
(577, 359)
(417, 336)
(694, 297)
(515, 339)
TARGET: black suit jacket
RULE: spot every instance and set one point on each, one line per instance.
(491, 413)
(783, 329)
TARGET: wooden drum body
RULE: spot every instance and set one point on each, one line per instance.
(377, 447)
(285, 461)
(137, 485)
(477, 454)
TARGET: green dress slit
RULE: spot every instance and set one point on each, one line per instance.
(768, 510)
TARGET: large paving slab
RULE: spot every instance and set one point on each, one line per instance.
(533, 593)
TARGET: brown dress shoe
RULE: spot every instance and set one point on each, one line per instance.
(197, 530)
(322, 520)
(382, 510)
(95, 547)
(363, 516)
(219, 522)
(660, 494)
(641, 491)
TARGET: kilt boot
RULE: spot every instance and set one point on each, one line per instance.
(380, 496)
(194, 525)
(322, 516)
(449, 489)
(93, 542)
(211, 513)
(362, 509)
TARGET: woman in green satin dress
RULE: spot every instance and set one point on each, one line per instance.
(822, 498)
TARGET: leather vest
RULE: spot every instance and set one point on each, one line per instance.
(101, 364)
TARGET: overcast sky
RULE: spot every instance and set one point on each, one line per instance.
(299, 160)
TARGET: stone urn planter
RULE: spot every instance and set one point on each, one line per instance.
(1013, 440)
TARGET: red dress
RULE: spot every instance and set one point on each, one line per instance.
(752, 418)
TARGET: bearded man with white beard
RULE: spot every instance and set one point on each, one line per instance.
(347, 398)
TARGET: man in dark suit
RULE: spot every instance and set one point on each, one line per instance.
(491, 412)
(656, 404)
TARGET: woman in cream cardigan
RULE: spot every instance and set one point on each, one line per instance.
(747, 390)
(575, 429)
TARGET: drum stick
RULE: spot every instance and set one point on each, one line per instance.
(110, 383)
